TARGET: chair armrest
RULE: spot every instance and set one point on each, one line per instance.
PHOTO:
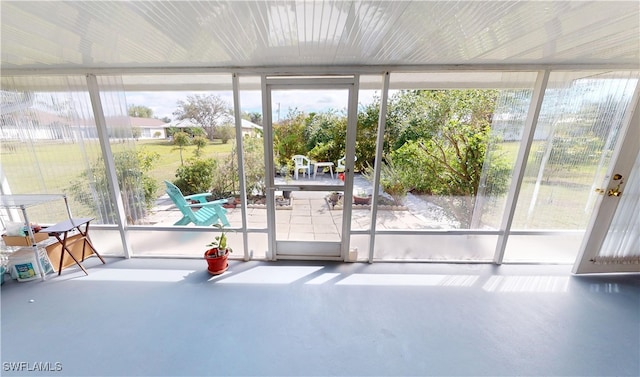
(205, 204)
(202, 197)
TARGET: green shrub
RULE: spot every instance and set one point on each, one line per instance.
(323, 152)
(288, 137)
(226, 183)
(136, 188)
(254, 166)
(224, 133)
(415, 169)
(196, 176)
(391, 180)
(200, 142)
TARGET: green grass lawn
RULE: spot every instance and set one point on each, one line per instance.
(560, 202)
(165, 168)
(59, 164)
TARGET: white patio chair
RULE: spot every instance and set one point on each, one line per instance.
(301, 163)
(340, 166)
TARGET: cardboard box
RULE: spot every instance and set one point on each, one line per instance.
(23, 241)
(75, 244)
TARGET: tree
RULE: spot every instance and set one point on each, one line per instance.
(289, 137)
(326, 134)
(206, 110)
(140, 111)
(366, 135)
(450, 148)
(413, 115)
(254, 117)
(200, 142)
(181, 140)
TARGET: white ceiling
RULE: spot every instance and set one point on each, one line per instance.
(258, 34)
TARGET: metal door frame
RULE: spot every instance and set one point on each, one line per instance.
(624, 156)
(323, 250)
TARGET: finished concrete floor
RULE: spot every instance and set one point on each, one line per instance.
(169, 317)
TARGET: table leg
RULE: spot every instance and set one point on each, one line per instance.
(63, 244)
(88, 241)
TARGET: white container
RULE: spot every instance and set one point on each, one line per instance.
(23, 265)
(353, 255)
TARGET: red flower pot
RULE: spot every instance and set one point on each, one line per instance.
(361, 200)
(216, 264)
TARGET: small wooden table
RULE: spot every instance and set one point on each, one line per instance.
(322, 165)
(62, 229)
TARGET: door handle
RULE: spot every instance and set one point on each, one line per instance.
(615, 191)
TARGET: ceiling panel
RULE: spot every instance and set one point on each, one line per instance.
(132, 34)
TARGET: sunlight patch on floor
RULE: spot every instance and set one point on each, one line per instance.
(409, 280)
(270, 275)
(140, 275)
(531, 284)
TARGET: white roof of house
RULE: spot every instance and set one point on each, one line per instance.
(146, 122)
(185, 123)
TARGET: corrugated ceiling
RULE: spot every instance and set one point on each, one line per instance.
(116, 34)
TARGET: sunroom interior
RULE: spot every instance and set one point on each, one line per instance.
(564, 76)
(520, 261)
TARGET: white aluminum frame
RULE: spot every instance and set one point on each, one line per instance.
(110, 168)
(624, 156)
(325, 250)
(382, 121)
(265, 72)
(521, 161)
(240, 148)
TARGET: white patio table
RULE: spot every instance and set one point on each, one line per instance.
(322, 165)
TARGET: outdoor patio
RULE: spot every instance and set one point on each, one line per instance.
(310, 217)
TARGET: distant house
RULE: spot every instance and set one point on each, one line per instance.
(150, 128)
(43, 125)
(248, 127)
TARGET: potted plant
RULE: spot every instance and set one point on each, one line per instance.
(285, 172)
(361, 198)
(217, 254)
(334, 199)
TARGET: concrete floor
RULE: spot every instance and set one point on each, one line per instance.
(169, 317)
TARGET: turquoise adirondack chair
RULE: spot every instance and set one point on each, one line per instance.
(207, 213)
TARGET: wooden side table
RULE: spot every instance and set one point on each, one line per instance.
(61, 232)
